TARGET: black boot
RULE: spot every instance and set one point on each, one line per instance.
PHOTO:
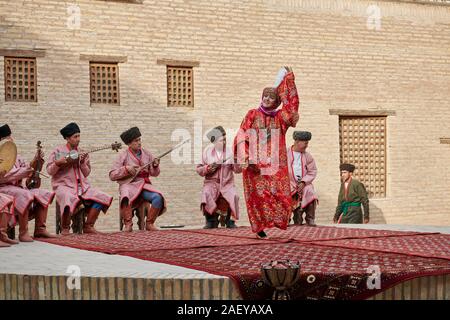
(209, 221)
(230, 223)
(261, 235)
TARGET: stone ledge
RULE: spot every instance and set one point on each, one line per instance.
(23, 53)
(125, 1)
(350, 112)
(103, 58)
(423, 2)
(177, 63)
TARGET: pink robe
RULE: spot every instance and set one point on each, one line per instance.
(133, 189)
(309, 172)
(64, 183)
(6, 204)
(220, 182)
(11, 184)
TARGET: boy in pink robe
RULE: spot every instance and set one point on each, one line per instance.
(219, 197)
(302, 172)
(69, 181)
(139, 189)
(28, 204)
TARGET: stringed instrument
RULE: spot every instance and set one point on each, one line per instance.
(139, 169)
(34, 182)
(74, 155)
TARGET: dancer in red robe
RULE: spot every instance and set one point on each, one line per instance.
(263, 153)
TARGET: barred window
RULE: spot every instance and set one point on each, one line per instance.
(180, 86)
(104, 83)
(20, 79)
(362, 142)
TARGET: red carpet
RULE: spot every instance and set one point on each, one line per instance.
(337, 257)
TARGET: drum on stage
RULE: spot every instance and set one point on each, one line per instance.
(8, 155)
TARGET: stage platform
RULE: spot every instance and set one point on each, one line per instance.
(110, 271)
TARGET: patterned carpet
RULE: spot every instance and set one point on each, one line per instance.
(334, 261)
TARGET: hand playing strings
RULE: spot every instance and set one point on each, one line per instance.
(83, 157)
(212, 167)
(132, 170)
(156, 162)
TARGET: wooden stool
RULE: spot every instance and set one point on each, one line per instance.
(140, 212)
(78, 219)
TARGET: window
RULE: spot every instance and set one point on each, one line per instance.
(104, 83)
(362, 141)
(180, 86)
(20, 79)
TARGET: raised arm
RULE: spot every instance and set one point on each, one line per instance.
(287, 91)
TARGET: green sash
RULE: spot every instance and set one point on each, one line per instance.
(347, 204)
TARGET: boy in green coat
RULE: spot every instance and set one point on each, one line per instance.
(352, 195)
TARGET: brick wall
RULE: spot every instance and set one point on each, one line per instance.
(339, 63)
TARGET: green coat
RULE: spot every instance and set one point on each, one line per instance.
(356, 193)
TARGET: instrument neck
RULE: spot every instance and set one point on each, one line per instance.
(98, 149)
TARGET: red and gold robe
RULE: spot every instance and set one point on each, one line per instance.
(267, 194)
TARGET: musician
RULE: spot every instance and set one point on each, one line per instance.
(29, 204)
(6, 213)
(219, 198)
(133, 192)
(302, 172)
(352, 195)
(69, 181)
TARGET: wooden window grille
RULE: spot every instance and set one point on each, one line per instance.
(362, 142)
(20, 79)
(104, 83)
(180, 86)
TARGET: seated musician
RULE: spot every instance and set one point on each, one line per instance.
(28, 204)
(133, 192)
(302, 172)
(69, 181)
(219, 198)
(6, 212)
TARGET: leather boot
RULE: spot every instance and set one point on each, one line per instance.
(65, 224)
(230, 222)
(3, 231)
(91, 218)
(311, 214)
(127, 217)
(40, 229)
(151, 218)
(24, 236)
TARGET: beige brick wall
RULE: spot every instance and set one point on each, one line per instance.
(339, 64)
